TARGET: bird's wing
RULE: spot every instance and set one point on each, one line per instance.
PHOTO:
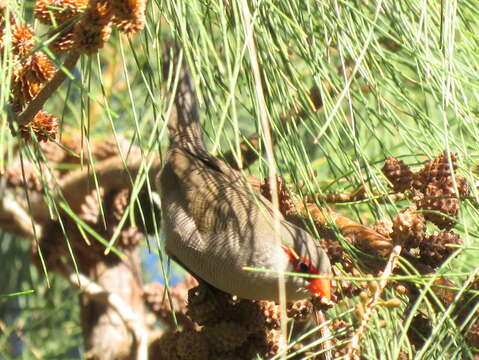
(213, 195)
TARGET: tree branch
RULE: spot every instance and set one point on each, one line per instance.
(48, 90)
(98, 293)
(13, 217)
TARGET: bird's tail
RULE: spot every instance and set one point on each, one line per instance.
(184, 126)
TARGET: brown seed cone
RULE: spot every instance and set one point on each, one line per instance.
(299, 310)
(434, 170)
(286, 206)
(90, 209)
(383, 227)
(41, 12)
(446, 186)
(44, 125)
(334, 250)
(62, 43)
(94, 30)
(41, 68)
(165, 347)
(257, 315)
(107, 148)
(23, 89)
(15, 177)
(52, 152)
(129, 15)
(439, 196)
(251, 315)
(203, 313)
(272, 343)
(98, 14)
(340, 351)
(29, 76)
(462, 186)
(130, 237)
(433, 250)
(154, 295)
(399, 174)
(264, 343)
(192, 345)
(60, 10)
(271, 314)
(22, 39)
(158, 301)
(205, 308)
(255, 345)
(226, 335)
(88, 39)
(409, 228)
(119, 203)
(419, 183)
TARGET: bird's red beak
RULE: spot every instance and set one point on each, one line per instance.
(321, 287)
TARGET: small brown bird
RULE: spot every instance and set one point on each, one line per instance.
(215, 225)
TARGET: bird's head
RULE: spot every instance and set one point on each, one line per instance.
(318, 286)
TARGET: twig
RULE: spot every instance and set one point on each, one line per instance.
(370, 305)
(320, 318)
(358, 235)
(14, 217)
(357, 195)
(98, 293)
(38, 102)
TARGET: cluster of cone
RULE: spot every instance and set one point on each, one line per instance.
(84, 25)
(28, 176)
(102, 209)
(31, 71)
(434, 199)
(94, 20)
(225, 327)
(432, 190)
(435, 192)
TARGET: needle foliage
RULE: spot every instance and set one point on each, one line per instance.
(346, 84)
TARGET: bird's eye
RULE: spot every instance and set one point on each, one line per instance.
(303, 267)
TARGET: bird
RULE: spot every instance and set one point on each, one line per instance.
(215, 225)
